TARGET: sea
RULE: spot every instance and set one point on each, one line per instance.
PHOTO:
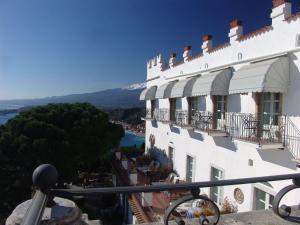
(130, 138)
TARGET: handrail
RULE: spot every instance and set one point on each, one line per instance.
(45, 176)
(36, 209)
(291, 138)
(169, 187)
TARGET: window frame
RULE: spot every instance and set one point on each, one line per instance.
(220, 190)
(187, 168)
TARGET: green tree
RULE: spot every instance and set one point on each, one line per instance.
(69, 136)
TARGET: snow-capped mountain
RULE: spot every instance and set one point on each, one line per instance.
(136, 86)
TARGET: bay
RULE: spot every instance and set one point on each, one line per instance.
(5, 117)
(130, 138)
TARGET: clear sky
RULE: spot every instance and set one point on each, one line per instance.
(57, 47)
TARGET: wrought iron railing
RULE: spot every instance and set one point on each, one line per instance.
(163, 115)
(209, 121)
(181, 118)
(291, 137)
(45, 176)
(149, 114)
(259, 128)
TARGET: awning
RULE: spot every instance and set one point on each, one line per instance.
(148, 93)
(179, 88)
(164, 90)
(214, 83)
(265, 76)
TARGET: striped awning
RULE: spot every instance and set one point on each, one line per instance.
(214, 83)
(148, 93)
(179, 88)
(270, 75)
(164, 91)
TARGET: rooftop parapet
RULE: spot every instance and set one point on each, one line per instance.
(281, 15)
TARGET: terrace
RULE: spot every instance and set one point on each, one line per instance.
(269, 132)
(50, 205)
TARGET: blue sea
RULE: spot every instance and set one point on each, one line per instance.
(129, 139)
(6, 117)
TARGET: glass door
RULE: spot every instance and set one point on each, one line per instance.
(262, 200)
(220, 110)
(189, 168)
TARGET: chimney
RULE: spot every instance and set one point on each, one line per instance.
(236, 30)
(172, 60)
(160, 62)
(207, 43)
(187, 54)
(282, 9)
(149, 65)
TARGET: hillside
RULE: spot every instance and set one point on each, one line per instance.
(111, 98)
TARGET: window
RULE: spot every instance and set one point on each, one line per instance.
(194, 101)
(172, 108)
(190, 163)
(171, 154)
(153, 103)
(262, 200)
(216, 193)
(271, 108)
(220, 106)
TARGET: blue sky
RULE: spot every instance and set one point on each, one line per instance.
(57, 47)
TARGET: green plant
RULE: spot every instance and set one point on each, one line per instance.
(143, 160)
(160, 173)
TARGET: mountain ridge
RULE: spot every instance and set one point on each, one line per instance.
(127, 97)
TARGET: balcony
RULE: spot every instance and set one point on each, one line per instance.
(182, 210)
(268, 131)
(163, 115)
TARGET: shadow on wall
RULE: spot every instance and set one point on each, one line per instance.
(196, 135)
(174, 129)
(291, 109)
(278, 157)
(154, 123)
(225, 143)
(160, 155)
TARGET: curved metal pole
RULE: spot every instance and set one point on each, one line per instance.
(35, 211)
(169, 187)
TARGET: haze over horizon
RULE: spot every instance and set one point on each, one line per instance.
(61, 47)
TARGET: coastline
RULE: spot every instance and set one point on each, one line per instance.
(138, 130)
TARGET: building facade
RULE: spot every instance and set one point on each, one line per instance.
(231, 111)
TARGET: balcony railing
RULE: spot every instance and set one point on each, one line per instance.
(163, 115)
(257, 128)
(45, 177)
(149, 114)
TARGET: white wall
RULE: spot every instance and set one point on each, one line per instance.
(231, 155)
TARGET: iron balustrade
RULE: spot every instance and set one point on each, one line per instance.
(163, 115)
(261, 128)
(181, 118)
(208, 121)
(45, 176)
(149, 114)
(291, 137)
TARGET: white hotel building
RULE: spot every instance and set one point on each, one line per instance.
(231, 111)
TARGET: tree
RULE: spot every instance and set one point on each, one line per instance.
(69, 136)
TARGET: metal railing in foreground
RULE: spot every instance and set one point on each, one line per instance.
(45, 176)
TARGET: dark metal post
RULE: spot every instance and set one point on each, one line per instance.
(44, 177)
(125, 208)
